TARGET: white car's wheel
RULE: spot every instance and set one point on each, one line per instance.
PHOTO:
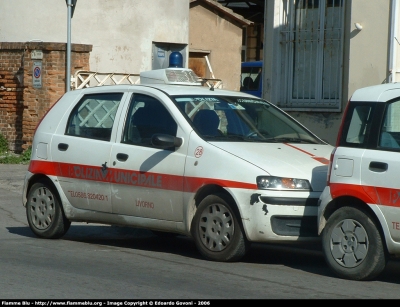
(44, 213)
(217, 230)
(353, 246)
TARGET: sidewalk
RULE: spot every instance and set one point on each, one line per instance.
(12, 176)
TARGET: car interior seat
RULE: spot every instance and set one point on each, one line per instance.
(142, 123)
(149, 120)
(207, 122)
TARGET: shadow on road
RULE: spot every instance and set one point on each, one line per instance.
(305, 257)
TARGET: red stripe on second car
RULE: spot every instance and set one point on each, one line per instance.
(129, 177)
(340, 189)
(368, 194)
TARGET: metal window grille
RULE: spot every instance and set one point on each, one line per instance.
(98, 111)
(312, 48)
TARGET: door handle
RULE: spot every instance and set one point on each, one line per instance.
(62, 146)
(122, 157)
(378, 166)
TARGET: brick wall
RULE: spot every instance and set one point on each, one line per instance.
(21, 105)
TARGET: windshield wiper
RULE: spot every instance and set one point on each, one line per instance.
(247, 138)
(295, 140)
(231, 136)
(244, 138)
(215, 137)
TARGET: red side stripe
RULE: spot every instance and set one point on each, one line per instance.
(137, 178)
(319, 159)
(368, 194)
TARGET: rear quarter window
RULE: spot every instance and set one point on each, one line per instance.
(357, 125)
(360, 118)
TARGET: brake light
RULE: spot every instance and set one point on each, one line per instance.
(328, 175)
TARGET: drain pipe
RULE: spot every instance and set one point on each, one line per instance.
(394, 23)
(71, 4)
(68, 66)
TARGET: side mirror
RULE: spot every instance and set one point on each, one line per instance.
(165, 141)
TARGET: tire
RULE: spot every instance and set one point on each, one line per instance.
(217, 230)
(353, 246)
(44, 213)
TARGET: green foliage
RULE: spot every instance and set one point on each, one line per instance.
(11, 158)
(7, 157)
(3, 144)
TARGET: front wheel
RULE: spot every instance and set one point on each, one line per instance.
(217, 231)
(44, 213)
(353, 246)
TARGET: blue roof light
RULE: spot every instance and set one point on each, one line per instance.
(176, 59)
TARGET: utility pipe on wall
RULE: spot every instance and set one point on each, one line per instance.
(68, 66)
(394, 23)
(71, 4)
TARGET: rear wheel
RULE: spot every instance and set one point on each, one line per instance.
(353, 246)
(44, 213)
(217, 230)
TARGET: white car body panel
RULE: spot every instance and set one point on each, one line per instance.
(353, 174)
(156, 189)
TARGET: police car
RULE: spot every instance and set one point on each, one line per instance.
(359, 210)
(170, 155)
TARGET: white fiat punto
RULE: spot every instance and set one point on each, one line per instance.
(170, 155)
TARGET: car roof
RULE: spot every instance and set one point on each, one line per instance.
(377, 93)
(167, 89)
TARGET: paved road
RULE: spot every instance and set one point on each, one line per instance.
(106, 262)
(12, 176)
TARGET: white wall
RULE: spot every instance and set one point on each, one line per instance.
(365, 58)
(369, 48)
(121, 31)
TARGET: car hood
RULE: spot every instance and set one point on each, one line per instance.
(304, 161)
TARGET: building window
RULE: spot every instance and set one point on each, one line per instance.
(244, 44)
(312, 49)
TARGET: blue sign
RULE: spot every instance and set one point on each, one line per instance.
(37, 74)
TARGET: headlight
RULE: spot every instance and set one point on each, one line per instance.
(280, 183)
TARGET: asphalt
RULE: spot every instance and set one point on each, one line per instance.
(12, 176)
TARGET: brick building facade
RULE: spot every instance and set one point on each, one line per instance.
(21, 104)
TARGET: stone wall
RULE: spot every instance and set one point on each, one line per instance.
(21, 104)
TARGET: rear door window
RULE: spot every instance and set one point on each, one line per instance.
(389, 137)
(93, 117)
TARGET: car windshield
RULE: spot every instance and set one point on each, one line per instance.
(242, 119)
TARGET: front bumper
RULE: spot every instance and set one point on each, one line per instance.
(279, 216)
